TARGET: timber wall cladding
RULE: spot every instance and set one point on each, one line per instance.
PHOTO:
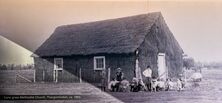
(72, 65)
(124, 61)
(113, 61)
(148, 51)
(160, 40)
(46, 66)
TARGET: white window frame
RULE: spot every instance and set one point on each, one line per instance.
(104, 63)
(55, 67)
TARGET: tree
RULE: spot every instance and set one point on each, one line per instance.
(188, 62)
(3, 67)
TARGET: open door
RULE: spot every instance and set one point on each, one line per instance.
(58, 67)
(162, 69)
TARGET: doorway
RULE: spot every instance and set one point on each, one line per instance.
(58, 67)
(57, 75)
(162, 69)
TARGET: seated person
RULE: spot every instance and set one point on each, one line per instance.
(154, 85)
(124, 85)
(141, 86)
(112, 85)
(179, 85)
(160, 85)
(169, 85)
(183, 82)
(134, 85)
(119, 78)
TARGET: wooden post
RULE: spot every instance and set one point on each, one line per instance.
(137, 69)
(185, 74)
(15, 78)
(43, 75)
(34, 76)
(108, 79)
(80, 75)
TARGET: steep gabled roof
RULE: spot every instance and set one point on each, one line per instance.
(121, 35)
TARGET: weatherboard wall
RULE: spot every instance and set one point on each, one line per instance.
(72, 65)
(160, 40)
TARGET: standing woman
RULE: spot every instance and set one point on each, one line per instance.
(103, 80)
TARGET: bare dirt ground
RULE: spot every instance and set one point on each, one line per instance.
(208, 91)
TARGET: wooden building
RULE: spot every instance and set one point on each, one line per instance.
(83, 50)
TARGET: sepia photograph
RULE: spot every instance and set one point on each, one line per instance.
(110, 51)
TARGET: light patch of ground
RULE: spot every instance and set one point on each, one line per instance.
(208, 91)
(87, 92)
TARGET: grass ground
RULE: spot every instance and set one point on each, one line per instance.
(208, 91)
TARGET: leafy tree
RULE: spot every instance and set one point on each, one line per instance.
(188, 62)
(3, 67)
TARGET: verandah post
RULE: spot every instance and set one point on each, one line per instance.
(80, 75)
(108, 79)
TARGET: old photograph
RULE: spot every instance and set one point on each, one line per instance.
(110, 51)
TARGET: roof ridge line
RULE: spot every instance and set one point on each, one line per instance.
(159, 15)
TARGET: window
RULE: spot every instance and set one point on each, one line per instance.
(58, 63)
(99, 62)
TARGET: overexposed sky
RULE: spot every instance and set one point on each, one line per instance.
(13, 53)
(195, 24)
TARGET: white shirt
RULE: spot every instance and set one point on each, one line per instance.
(147, 72)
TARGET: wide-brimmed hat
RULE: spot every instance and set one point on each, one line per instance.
(154, 80)
(119, 69)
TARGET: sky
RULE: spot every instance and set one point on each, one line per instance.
(10, 56)
(196, 24)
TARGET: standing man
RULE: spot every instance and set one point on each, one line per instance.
(119, 78)
(148, 75)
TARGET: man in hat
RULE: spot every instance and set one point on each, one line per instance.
(119, 77)
(148, 75)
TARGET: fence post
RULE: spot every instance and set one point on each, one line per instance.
(15, 78)
(34, 76)
(185, 74)
(80, 75)
(43, 73)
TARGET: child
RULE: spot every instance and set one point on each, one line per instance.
(169, 84)
(134, 85)
(141, 86)
(112, 85)
(179, 85)
(154, 85)
(124, 85)
(182, 83)
(160, 85)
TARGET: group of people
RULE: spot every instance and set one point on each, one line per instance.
(121, 84)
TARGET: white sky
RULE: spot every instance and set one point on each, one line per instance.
(8, 55)
(195, 24)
